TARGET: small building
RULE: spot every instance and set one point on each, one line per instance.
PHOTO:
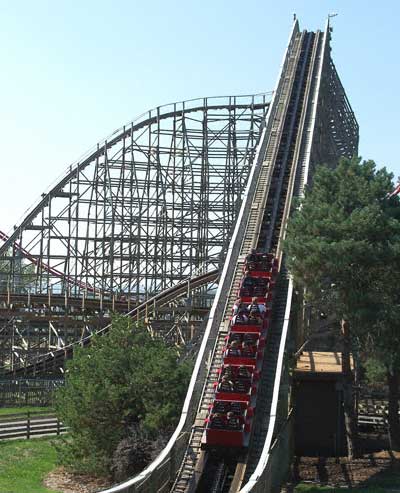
(318, 398)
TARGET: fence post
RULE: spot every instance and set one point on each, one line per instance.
(28, 426)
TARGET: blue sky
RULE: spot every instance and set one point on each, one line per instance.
(74, 71)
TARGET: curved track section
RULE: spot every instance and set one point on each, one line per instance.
(150, 206)
(145, 208)
(54, 361)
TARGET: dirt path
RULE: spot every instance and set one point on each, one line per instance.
(62, 480)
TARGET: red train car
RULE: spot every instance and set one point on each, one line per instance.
(229, 419)
(237, 383)
(228, 424)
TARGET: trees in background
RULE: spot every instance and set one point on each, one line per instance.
(22, 272)
(125, 385)
(343, 246)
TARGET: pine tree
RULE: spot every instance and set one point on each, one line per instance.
(124, 381)
(343, 245)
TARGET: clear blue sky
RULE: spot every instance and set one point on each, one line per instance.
(74, 71)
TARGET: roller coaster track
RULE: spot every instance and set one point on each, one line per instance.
(142, 121)
(151, 205)
(56, 359)
(280, 170)
(309, 121)
(42, 265)
(264, 227)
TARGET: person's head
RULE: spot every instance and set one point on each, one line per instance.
(235, 343)
(254, 299)
(230, 415)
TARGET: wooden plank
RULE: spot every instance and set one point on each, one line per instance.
(320, 362)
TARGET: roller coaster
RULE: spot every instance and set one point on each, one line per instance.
(150, 206)
(122, 229)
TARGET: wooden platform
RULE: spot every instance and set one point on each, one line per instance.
(320, 362)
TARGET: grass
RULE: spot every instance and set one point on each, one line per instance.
(311, 488)
(24, 464)
(15, 410)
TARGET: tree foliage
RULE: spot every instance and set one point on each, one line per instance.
(125, 380)
(375, 371)
(343, 245)
(340, 236)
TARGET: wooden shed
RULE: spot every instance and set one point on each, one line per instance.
(318, 397)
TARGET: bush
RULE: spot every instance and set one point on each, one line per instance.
(375, 372)
(125, 380)
(134, 452)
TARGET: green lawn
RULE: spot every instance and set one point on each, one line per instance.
(24, 464)
(15, 410)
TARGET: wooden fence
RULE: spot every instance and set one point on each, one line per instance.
(30, 424)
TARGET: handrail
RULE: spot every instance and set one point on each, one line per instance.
(268, 441)
(314, 112)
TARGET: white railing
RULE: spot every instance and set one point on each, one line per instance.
(257, 479)
(157, 475)
(262, 480)
(163, 468)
